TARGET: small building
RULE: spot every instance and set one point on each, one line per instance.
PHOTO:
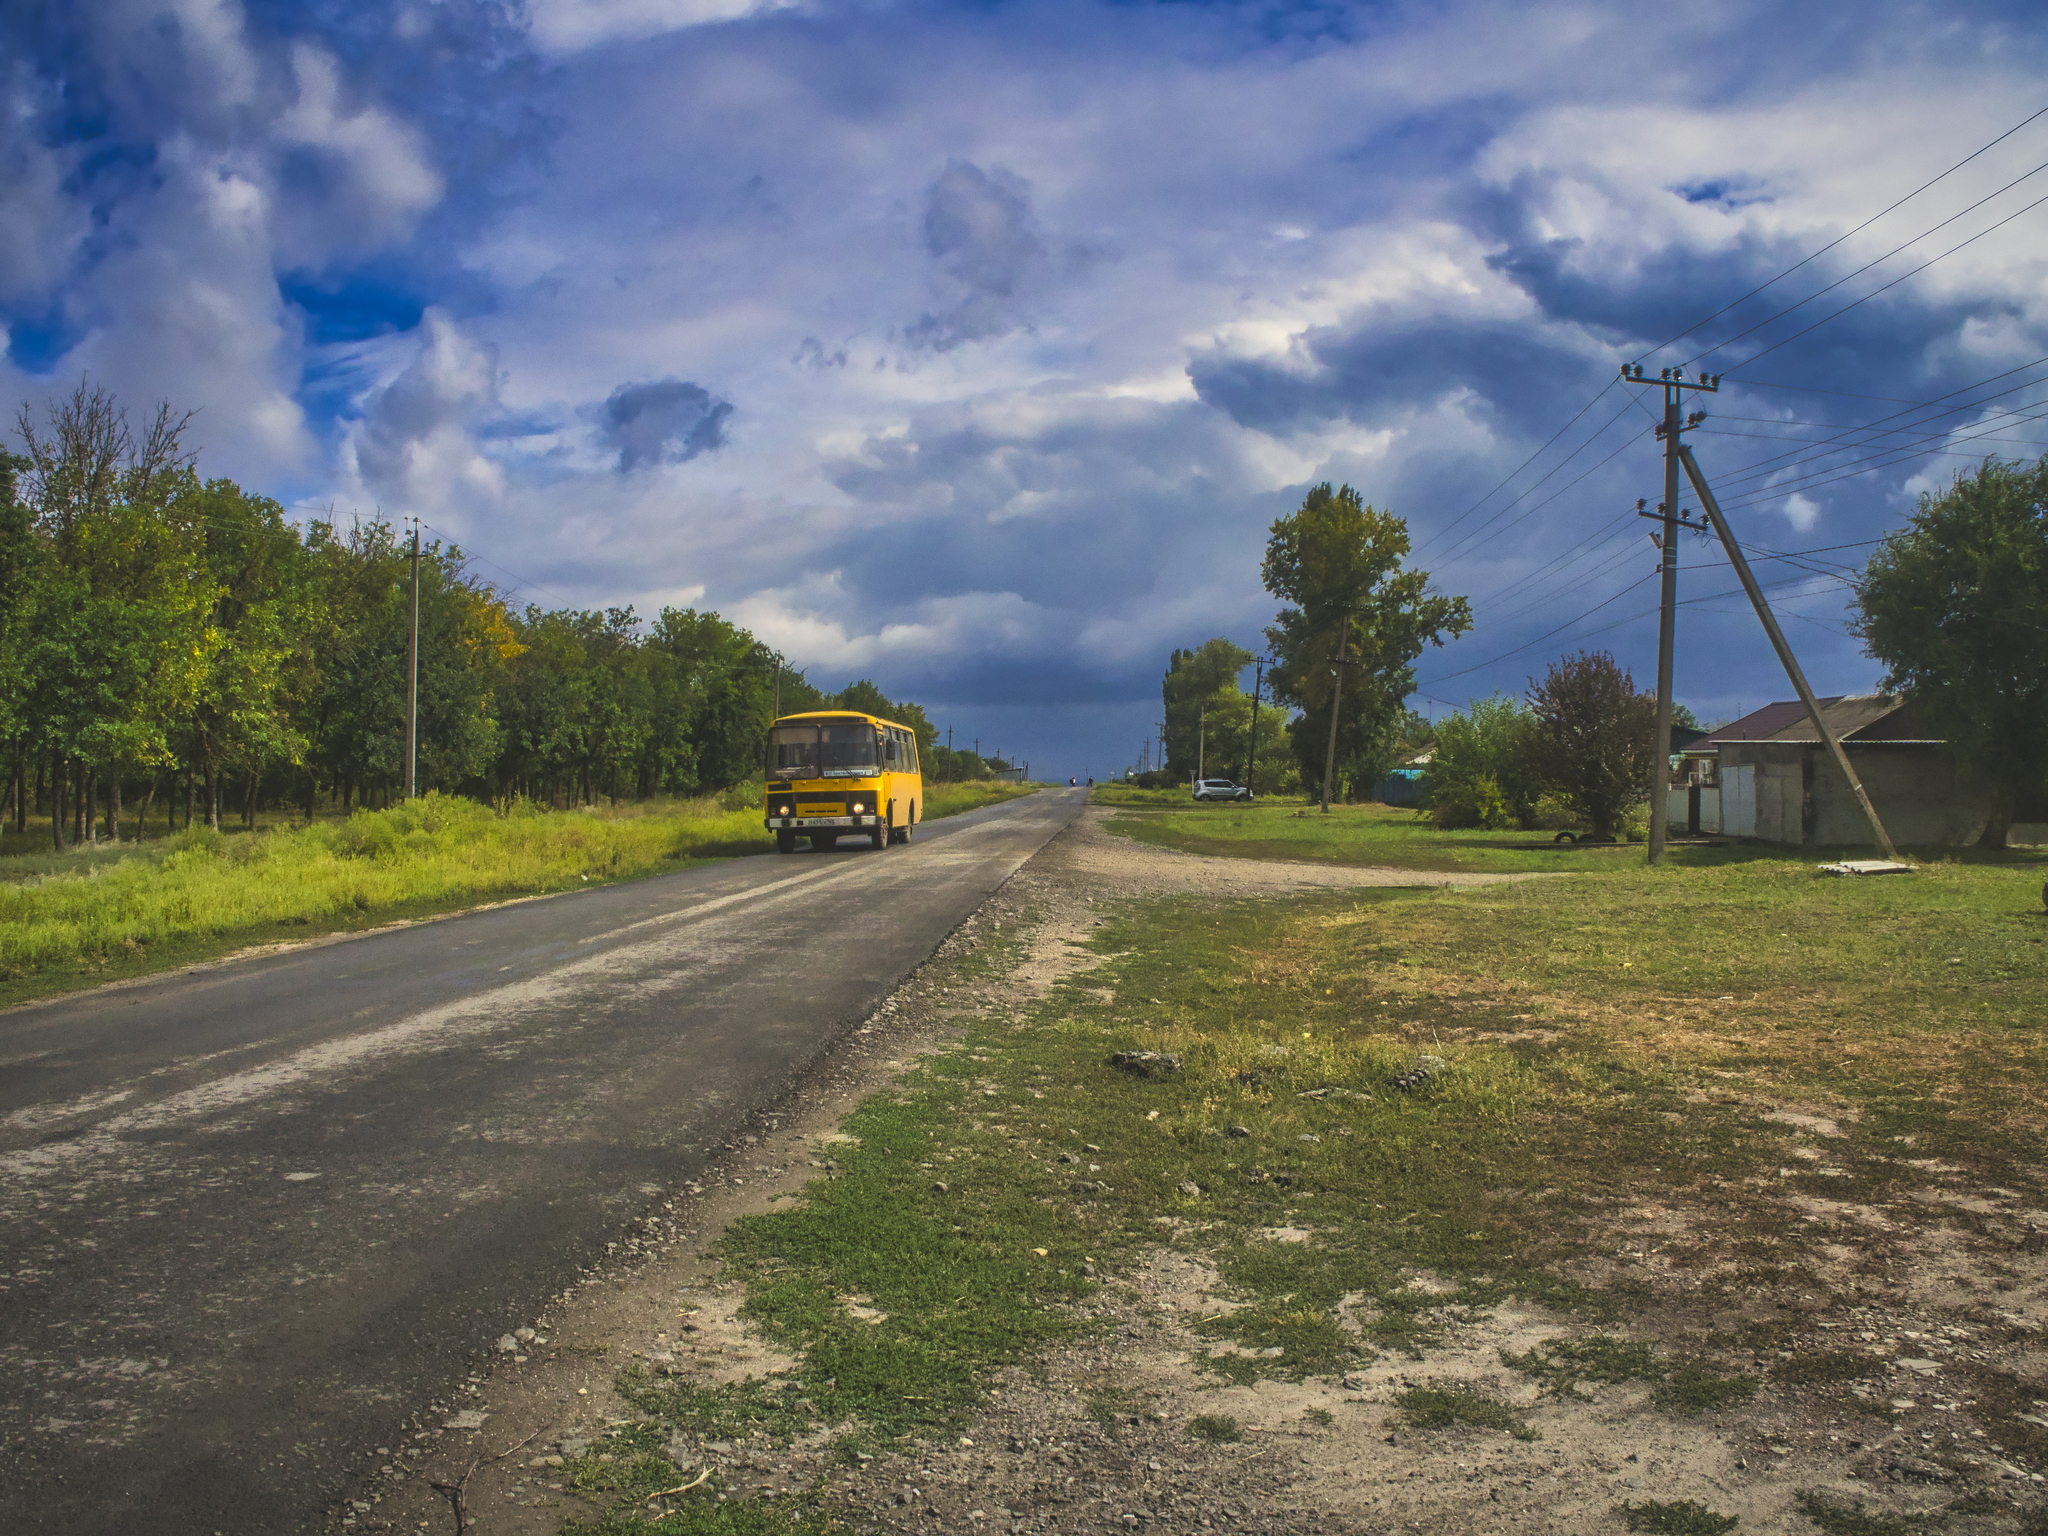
(1403, 784)
(1769, 776)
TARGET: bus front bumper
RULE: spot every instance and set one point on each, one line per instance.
(805, 823)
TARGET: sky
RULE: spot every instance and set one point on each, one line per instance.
(973, 348)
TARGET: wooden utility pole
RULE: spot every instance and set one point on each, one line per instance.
(1338, 663)
(412, 676)
(1674, 384)
(1201, 740)
(1784, 649)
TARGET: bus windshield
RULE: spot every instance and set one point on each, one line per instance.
(851, 750)
(793, 751)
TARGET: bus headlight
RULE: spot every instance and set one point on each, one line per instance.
(858, 808)
(783, 812)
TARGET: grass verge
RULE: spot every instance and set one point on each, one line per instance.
(1390, 837)
(89, 916)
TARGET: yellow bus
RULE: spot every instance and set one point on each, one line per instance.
(834, 774)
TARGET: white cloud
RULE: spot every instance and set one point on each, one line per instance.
(373, 176)
(570, 26)
(1801, 512)
(415, 449)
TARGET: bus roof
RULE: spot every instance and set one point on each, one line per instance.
(822, 715)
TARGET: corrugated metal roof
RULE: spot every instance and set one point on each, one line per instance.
(1865, 718)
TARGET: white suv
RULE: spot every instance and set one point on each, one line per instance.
(1221, 789)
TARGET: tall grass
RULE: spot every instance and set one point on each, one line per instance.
(440, 851)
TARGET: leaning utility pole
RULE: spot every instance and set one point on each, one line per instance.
(1338, 663)
(1674, 383)
(1782, 646)
(412, 676)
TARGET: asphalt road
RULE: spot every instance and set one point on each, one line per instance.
(251, 1215)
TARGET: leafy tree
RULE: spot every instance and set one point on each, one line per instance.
(1954, 607)
(1594, 736)
(1483, 769)
(864, 696)
(1197, 683)
(21, 575)
(728, 684)
(1337, 561)
(121, 639)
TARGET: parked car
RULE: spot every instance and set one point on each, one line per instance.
(1221, 789)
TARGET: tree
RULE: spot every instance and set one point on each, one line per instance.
(1338, 562)
(1594, 737)
(122, 638)
(1483, 768)
(1954, 607)
(1197, 683)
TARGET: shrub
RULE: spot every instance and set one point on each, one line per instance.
(1482, 770)
(1474, 802)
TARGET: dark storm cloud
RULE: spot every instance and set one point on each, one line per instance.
(979, 229)
(669, 421)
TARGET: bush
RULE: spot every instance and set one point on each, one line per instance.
(1482, 770)
(1474, 802)
(1158, 778)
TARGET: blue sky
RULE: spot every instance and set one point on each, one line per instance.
(974, 348)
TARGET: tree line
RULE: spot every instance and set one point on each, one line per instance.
(1951, 605)
(174, 643)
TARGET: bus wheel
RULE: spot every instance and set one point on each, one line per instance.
(879, 838)
(785, 841)
(824, 842)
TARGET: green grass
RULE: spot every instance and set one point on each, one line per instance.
(1377, 835)
(1447, 1407)
(1681, 1518)
(1562, 1364)
(1390, 837)
(1839, 1519)
(1216, 1428)
(1685, 1389)
(90, 915)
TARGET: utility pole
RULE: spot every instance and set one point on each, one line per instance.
(1251, 754)
(1201, 739)
(1778, 642)
(777, 706)
(412, 677)
(1674, 384)
(1338, 663)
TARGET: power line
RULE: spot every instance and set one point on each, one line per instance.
(1717, 314)
(1862, 467)
(1877, 426)
(1632, 618)
(1887, 256)
(1444, 532)
(1465, 543)
(1767, 351)
(1435, 540)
